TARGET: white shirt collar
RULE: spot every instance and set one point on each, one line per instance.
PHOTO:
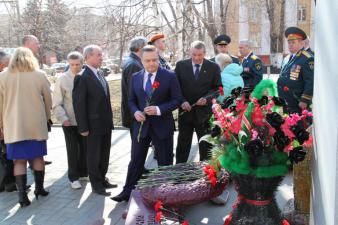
(93, 69)
(246, 57)
(145, 78)
(193, 64)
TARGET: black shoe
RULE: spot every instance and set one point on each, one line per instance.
(108, 185)
(48, 163)
(21, 181)
(2, 188)
(101, 192)
(121, 197)
(39, 177)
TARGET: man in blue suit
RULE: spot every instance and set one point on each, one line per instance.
(153, 94)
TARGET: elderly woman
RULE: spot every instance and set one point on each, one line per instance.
(25, 103)
(231, 74)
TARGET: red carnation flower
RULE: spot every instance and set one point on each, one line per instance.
(158, 216)
(213, 181)
(158, 206)
(185, 222)
(286, 89)
(221, 91)
(155, 85)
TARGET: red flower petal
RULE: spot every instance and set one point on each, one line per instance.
(185, 222)
(221, 91)
(158, 206)
(156, 84)
(213, 181)
(228, 219)
(285, 222)
(158, 216)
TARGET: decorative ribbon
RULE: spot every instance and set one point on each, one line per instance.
(246, 123)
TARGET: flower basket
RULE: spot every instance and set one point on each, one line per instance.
(189, 188)
(256, 142)
(256, 204)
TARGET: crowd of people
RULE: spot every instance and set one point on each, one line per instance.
(151, 91)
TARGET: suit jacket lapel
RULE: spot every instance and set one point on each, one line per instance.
(157, 79)
(93, 77)
(191, 70)
(202, 73)
(139, 85)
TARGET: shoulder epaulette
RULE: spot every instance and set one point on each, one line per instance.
(308, 55)
(254, 57)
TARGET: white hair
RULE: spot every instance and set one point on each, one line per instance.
(245, 42)
(88, 50)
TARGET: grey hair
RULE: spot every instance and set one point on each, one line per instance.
(137, 43)
(88, 50)
(3, 55)
(245, 42)
(198, 45)
(28, 38)
(75, 55)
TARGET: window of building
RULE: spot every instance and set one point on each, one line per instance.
(301, 13)
(253, 14)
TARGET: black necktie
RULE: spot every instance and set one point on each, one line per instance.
(197, 71)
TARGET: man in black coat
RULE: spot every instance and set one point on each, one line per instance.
(132, 65)
(91, 101)
(198, 78)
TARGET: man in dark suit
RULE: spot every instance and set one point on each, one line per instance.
(91, 101)
(198, 78)
(154, 93)
(221, 42)
(252, 65)
(132, 65)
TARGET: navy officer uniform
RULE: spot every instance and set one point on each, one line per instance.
(224, 40)
(252, 70)
(295, 82)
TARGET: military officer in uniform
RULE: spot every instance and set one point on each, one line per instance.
(159, 42)
(252, 65)
(222, 42)
(295, 82)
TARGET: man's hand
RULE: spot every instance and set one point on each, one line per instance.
(150, 110)
(85, 134)
(66, 123)
(186, 106)
(302, 105)
(201, 102)
(139, 116)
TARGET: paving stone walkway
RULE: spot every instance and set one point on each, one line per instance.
(65, 206)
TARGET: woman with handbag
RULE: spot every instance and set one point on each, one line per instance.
(25, 103)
